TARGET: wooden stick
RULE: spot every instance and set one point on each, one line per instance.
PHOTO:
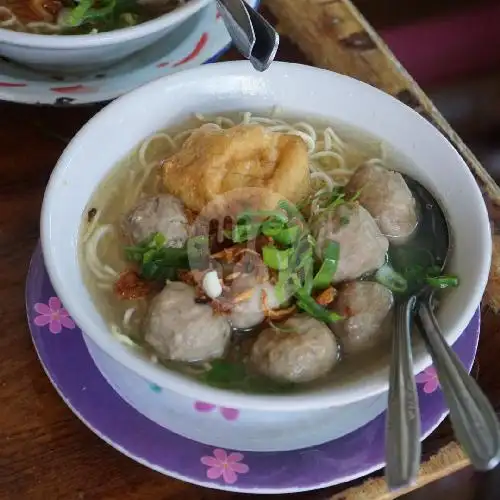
(448, 460)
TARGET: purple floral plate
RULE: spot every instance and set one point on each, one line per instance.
(66, 360)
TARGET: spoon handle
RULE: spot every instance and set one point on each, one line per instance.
(403, 446)
(239, 25)
(252, 35)
(266, 41)
(474, 420)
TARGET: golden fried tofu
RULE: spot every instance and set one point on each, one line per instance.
(213, 162)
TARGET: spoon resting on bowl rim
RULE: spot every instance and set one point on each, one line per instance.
(473, 418)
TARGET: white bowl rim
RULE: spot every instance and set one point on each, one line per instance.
(197, 390)
(41, 41)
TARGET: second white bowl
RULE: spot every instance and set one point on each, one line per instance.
(70, 54)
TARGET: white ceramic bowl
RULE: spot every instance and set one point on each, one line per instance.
(300, 90)
(82, 53)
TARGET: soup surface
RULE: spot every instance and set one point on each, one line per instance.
(77, 17)
(256, 253)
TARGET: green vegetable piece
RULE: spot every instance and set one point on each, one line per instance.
(291, 210)
(281, 289)
(245, 232)
(442, 281)
(272, 227)
(329, 266)
(276, 259)
(288, 236)
(77, 15)
(264, 214)
(312, 308)
(157, 262)
(356, 195)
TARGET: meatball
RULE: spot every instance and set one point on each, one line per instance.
(179, 329)
(362, 247)
(158, 214)
(214, 162)
(385, 194)
(250, 312)
(307, 350)
(366, 307)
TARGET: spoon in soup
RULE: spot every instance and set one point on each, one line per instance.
(473, 418)
(253, 36)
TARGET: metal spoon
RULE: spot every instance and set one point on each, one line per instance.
(252, 35)
(474, 420)
(402, 437)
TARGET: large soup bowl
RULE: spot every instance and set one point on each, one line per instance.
(75, 54)
(301, 91)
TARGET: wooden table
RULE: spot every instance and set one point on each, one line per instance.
(46, 453)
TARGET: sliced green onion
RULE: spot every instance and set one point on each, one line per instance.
(356, 195)
(281, 289)
(335, 199)
(328, 269)
(276, 259)
(312, 308)
(159, 240)
(291, 210)
(149, 256)
(442, 281)
(287, 236)
(391, 279)
(305, 270)
(85, 11)
(155, 260)
(272, 227)
(77, 15)
(245, 232)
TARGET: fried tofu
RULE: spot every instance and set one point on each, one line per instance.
(213, 162)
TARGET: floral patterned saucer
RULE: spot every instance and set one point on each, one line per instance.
(201, 39)
(67, 362)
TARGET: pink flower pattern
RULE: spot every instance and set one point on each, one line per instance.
(226, 466)
(429, 379)
(54, 315)
(230, 414)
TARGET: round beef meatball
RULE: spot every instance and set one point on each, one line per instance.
(362, 246)
(385, 194)
(306, 351)
(158, 214)
(179, 329)
(366, 306)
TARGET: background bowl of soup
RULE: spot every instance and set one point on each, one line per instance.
(98, 171)
(71, 37)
